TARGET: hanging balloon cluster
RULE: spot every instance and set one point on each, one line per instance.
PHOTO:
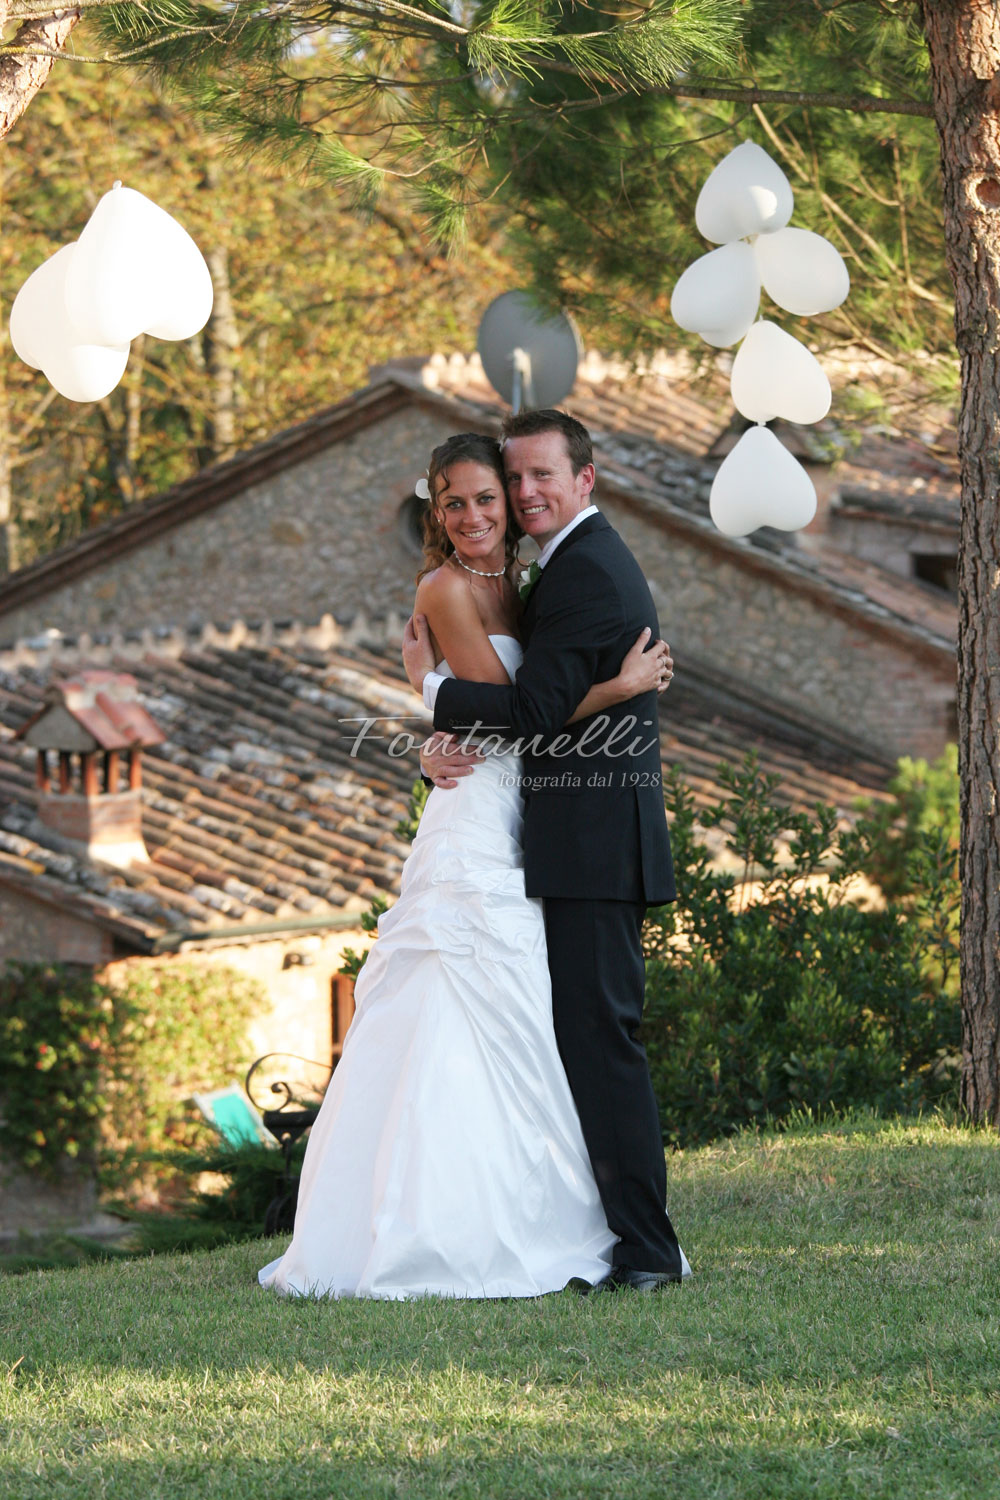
(133, 270)
(744, 207)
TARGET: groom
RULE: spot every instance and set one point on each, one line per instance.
(596, 846)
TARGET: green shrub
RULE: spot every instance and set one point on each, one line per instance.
(256, 1185)
(103, 1074)
(55, 1029)
(924, 800)
(178, 1030)
(794, 997)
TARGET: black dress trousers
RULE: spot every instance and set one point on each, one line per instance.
(598, 984)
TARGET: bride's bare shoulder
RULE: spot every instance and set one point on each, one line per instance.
(439, 587)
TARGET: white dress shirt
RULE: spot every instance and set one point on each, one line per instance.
(433, 680)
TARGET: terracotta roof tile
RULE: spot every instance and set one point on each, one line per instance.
(226, 845)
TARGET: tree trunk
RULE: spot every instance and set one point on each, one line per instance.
(963, 40)
(23, 73)
(222, 342)
(8, 526)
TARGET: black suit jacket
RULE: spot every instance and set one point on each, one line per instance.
(594, 824)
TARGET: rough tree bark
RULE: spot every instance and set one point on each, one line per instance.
(22, 74)
(222, 341)
(8, 528)
(963, 41)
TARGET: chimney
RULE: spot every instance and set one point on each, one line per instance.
(89, 737)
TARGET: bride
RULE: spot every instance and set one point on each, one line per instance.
(447, 1157)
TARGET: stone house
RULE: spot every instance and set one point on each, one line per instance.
(257, 609)
(836, 626)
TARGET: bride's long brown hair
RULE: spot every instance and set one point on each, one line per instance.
(464, 447)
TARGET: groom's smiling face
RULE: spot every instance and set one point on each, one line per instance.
(544, 491)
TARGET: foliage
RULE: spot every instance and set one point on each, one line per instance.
(56, 1027)
(606, 224)
(104, 1073)
(793, 995)
(558, 123)
(208, 1216)
(319, 296)
(179, 1030)
(585, 122)
(923, 800)
(420, 93)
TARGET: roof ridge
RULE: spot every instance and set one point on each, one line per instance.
(201, 491)
(55, 649)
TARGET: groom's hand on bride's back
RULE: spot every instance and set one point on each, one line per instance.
(443, 761)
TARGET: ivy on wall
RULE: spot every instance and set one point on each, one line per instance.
(102, 1073)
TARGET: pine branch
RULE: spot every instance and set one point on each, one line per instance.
(866, 104)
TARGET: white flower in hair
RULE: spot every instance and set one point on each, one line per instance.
(422, 489)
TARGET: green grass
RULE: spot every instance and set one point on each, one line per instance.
(841, 1338)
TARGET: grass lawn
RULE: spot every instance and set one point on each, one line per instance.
(841, 1338)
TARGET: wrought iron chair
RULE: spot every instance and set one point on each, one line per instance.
(287, 1091)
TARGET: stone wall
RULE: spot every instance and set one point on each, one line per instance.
(31, 1205)
(35, 932)
(892, 544)
(779, 637)
(331, 535)
(326, 536)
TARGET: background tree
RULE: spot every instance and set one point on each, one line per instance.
(308, 298)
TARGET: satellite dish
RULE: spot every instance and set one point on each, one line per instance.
(529, 356)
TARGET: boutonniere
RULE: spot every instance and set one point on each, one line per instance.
(529, 578)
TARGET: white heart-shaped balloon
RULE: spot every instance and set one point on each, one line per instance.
(43, 336)
(136, 271)
(718, 294)
(760, 484)
(747, 193)
(775, 376)
(38, 318)
(802, 271)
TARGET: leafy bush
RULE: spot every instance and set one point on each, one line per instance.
(55, 1030)
(178, 1030)
(788, 994)
(103, 1073)
(256, 1186)
(923, 801)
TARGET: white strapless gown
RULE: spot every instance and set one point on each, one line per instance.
(447, 1157)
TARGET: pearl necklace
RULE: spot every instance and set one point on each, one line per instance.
(479, 574)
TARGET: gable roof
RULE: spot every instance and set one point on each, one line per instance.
(653, 438)
(262, 811)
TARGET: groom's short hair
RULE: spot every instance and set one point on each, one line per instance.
(548, 419)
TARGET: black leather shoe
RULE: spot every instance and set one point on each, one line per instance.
(584, 1288)
(627, 1279)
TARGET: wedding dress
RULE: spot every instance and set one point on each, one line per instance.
(447, 1157)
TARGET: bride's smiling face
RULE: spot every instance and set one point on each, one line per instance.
(472, 504)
